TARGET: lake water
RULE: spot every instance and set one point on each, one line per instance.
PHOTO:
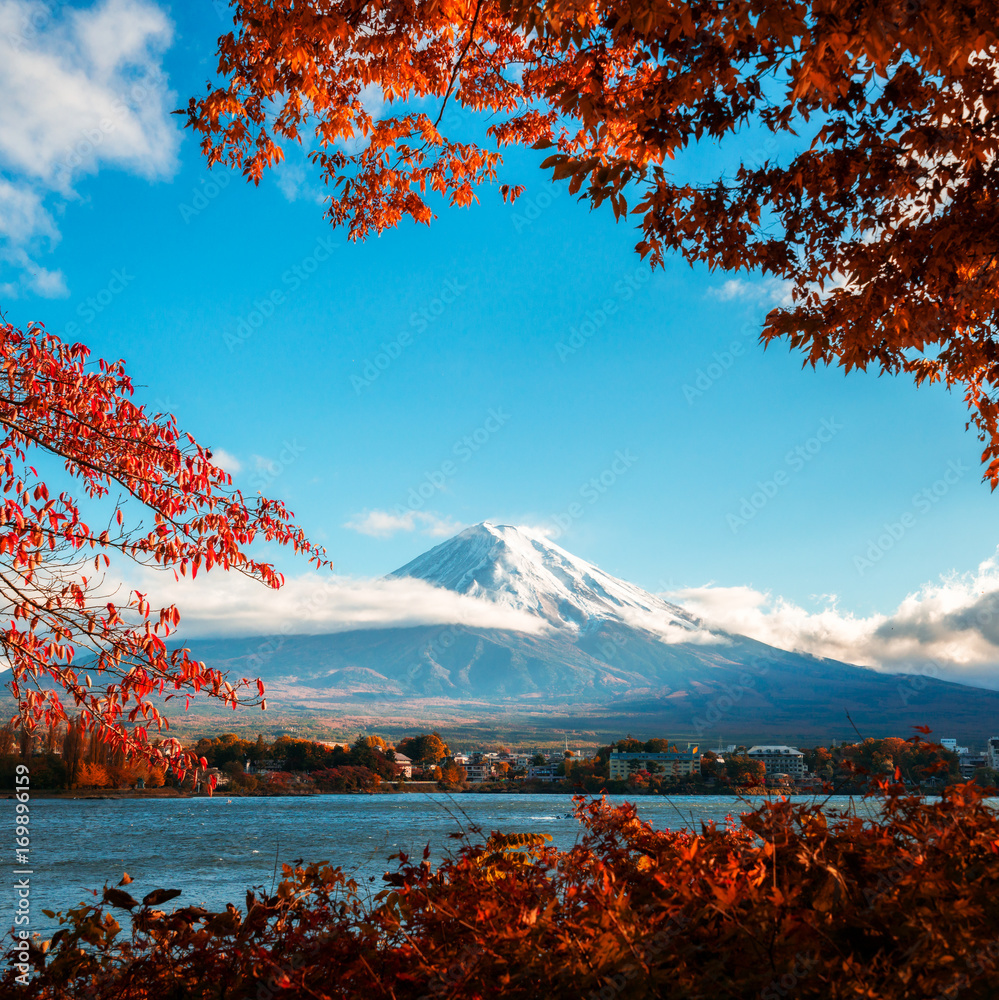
(214, 849)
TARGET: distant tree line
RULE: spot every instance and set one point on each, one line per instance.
(68, 756)
(915, 761)
(361, 766)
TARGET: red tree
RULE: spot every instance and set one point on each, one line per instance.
(73, 649)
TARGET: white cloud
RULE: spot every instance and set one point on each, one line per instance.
(223, 604)
(83, 88)
(763, 291)
(23, 213)
(227, 461)
(40, 280)
(668, 633)
(950, 627)
(384, 523)
(294, 183)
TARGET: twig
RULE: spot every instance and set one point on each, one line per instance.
(277, 851)
(457, 65)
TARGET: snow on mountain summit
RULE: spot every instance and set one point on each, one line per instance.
(521, 569)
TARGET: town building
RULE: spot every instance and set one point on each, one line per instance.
(544, 772)
(481, 766)
(952, 746)
(779, 759)
(404, 763)
(992, 753)
(673, 763)
(266, 766)
(971, 762)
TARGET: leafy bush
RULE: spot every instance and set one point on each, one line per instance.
(788, 900)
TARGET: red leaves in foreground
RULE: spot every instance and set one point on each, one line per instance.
(898, 900)
(58, 610)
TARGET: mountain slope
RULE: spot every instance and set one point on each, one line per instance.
(611, 658)
(520, 569)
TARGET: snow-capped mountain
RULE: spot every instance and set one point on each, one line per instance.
(521, 569)
(609, 658)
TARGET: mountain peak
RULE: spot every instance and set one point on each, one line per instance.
(520, 568)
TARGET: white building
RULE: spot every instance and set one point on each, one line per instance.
(953, 747)
(482, 767)
(779, 759)
(405, 763)
(992, 753)
(673, 763)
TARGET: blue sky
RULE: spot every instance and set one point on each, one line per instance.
(519, 352)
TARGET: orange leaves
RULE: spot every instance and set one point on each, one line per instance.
(890, 195)
(511, 194)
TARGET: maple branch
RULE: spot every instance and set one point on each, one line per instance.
(457, 65)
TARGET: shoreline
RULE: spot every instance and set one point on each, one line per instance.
(173, 793)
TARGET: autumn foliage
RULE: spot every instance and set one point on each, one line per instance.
(895, 899)
(865, 139)
(77, 648)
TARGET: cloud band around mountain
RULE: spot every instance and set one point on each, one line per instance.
(948, 629)
(226, 604)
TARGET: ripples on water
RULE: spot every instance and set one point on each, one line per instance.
(215, 849)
